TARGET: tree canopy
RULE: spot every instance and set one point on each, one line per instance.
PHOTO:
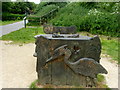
(18, 7)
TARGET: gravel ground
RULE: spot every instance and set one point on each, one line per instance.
(112, 68)
(19, 66)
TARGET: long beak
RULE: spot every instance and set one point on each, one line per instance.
(51, 58)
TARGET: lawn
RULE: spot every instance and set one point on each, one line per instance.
(24, 35)
(8, 22)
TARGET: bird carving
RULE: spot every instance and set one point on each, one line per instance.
(84, 66)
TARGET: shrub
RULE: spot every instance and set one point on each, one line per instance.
(95, 20)
(100, 23)
(43, 15)
(9, 16)
(33, 20)
(45, 10)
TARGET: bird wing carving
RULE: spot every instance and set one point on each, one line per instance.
(88, 67)
(84, 66)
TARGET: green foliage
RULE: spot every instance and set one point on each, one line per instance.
(33, 84)
(91, 17)
(112, 7)
(45, 10)
(88, 5)
(60, 4)
(45, 4)
(100, 78)
(6, 6)
(18, 7)
(33, 21)
(40, 6)
(70, 15)
(24, 35)
(100, 23)
(101, 82)
(10, 16)
(43, 15)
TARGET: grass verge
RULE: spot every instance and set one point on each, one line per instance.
(110, 47)
(8, 22)
(24, 35)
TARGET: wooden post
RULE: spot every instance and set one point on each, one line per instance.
(68, 61)
(24, 21)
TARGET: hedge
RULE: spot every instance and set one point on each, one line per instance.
(9, 16)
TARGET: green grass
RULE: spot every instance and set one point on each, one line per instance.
(101, 82)
(8, 22)
(33, 84)
(110, 47)
(100, 78)
(24, 35)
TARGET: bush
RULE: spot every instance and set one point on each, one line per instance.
(33, 20)
(9, 16)
(40, 6)
(71, 14)
(48, 5)
(100, 23)
(95, 20)
(42, 16)
(45, 10)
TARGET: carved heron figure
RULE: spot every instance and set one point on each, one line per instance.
(84, 66)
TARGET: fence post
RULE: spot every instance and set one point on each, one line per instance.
(24, 21)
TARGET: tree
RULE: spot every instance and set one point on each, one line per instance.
(6, 6)
(18, 7)
(7, 0)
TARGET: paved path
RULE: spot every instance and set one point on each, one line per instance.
(5, 29)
